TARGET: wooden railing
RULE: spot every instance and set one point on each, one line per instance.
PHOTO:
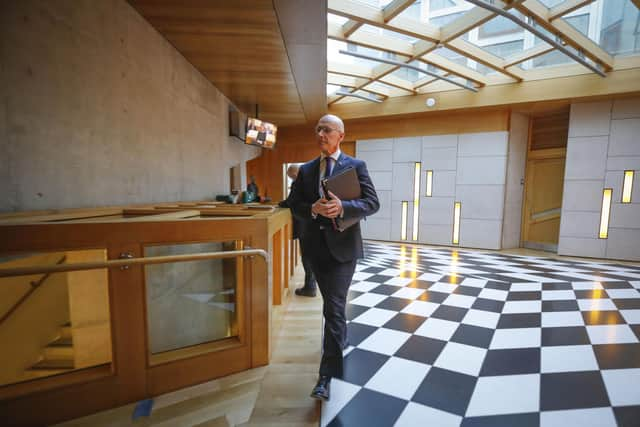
(60, 268)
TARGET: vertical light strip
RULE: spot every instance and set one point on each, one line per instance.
(604, 216)
(416, 200)
(403, 229)
(456, 222)
(627, 186)
(429, 183)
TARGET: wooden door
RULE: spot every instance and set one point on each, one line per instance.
(543, 199)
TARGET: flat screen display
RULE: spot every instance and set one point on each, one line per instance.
(260, 133)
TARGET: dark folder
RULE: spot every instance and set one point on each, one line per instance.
(345, 186)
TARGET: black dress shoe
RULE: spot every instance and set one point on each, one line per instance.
(305, 292)
(321, 390)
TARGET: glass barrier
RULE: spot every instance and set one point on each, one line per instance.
(191, 303)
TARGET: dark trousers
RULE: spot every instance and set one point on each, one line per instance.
(309, 279)
(333, 279)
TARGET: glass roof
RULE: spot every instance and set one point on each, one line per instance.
(614, 25)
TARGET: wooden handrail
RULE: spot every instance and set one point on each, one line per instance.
(48, 269)
(34, 285)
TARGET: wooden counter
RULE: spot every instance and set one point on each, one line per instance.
(131, 376)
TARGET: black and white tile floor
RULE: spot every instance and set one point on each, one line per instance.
(441, 337)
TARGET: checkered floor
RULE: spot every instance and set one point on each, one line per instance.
(441, 337)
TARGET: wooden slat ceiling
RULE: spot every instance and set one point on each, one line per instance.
(239, 47)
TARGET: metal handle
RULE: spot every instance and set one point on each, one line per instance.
(125, 255)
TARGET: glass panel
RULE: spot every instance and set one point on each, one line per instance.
(579, 22)
(620, 34)
(333, 54)
(555, 57)
(412, 12)
(374, 3)
(551, 3)
(440, 4)
(452, 55)
(386, 33)
(380, 86)
(340, 20)
(399, 36)
(501, 50)
(441, 21)
(190, 303)
(500, 26)
(331, 89)
(409, 74)
(54, 323)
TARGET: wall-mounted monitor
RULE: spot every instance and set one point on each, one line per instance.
(260, 133)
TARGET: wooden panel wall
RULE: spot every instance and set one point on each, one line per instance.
(297, 143)
(550, 131)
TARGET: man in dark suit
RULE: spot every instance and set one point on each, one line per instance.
(333, 254)
(309, 288)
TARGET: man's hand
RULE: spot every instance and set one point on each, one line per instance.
(328, 208)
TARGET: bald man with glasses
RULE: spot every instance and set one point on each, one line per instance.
(332, 253)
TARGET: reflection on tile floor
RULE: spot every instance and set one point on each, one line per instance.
(441, 337)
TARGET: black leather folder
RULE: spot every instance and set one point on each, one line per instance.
(346, 186)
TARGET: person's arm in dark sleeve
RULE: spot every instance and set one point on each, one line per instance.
(368, 203)
(299, 207)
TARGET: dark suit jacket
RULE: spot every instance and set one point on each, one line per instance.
(344, 246)
(296, 233)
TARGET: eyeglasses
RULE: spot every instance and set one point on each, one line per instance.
(325, 129)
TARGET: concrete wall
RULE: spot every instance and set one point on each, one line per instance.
(469, 168)
(603, 143)
(97, 108)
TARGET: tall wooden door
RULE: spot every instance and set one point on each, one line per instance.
(544, 180)
(543, 201)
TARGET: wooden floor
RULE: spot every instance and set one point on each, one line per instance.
(284, 395)
(275, 395)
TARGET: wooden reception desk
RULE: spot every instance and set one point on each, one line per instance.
(133, 371)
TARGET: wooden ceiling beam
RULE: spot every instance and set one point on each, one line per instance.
(471, 19)
(365, 14)
(583, 86)
(396, 82)
(452, 67)
(429, 38)
(371, 40)
(350, 27)
(346, 81)
(480, 55)
(395, 8)
(567, 32)
(353, 82)
(407, 51)
(353, 70)
(525, 55)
